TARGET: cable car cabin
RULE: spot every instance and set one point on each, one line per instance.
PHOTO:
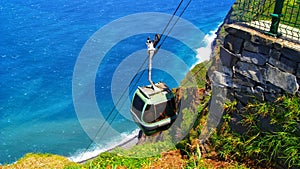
(153, 110)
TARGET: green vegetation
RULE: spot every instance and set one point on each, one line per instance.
(112, 160)
(151, 155)
(197, 76)
(195, 130)
(253, 10)
(271, 137)
(260, 144)
(39, 161)
(139, 156)
(145, 150)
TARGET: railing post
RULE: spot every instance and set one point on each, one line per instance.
(276, 18)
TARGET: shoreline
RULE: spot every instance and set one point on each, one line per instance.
(126, 144)
(211, 38)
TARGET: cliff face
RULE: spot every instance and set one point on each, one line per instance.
(189, 96)
(246, 66)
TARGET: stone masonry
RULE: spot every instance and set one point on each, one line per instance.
(251, 64)
(255, 64)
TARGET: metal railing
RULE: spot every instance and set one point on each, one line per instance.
(280, 18)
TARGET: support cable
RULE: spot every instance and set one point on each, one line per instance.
(123, 93)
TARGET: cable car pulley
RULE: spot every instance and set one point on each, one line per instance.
(153, 106)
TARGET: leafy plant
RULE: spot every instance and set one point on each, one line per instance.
(230, 106)
(266, 143)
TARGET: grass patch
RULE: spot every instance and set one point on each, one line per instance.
(197, 76)
(112, 160)
(145, 150)
(38, 161)
(271, 137)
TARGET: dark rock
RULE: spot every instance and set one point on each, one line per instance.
(240, 106)
(259, 93)
(251, 47)
(274, 61)
(298, 81)
(255, 58)
(235, 124)
(275, 54)
(286, 81)
(244, 97)
(242, 88)
(221, 79)
(264, 49)
(216, 110)
(228, 71)
(238, 33)
(259, 89)
(271, 97)
(227, 58)
(251, 71)
(298, 71)
(277, 45)
(270, 88)
(232, 43)
(288, 65)
(265, 124)
(291, 54)
(261, 41)
(284, 64)
(239, 79)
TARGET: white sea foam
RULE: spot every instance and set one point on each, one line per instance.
(204, 53)
(125, 139)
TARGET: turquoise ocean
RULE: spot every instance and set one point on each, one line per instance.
(40, 42)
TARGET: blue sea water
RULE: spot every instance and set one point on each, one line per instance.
(39, 44)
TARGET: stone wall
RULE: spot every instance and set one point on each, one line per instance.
(252, 63)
